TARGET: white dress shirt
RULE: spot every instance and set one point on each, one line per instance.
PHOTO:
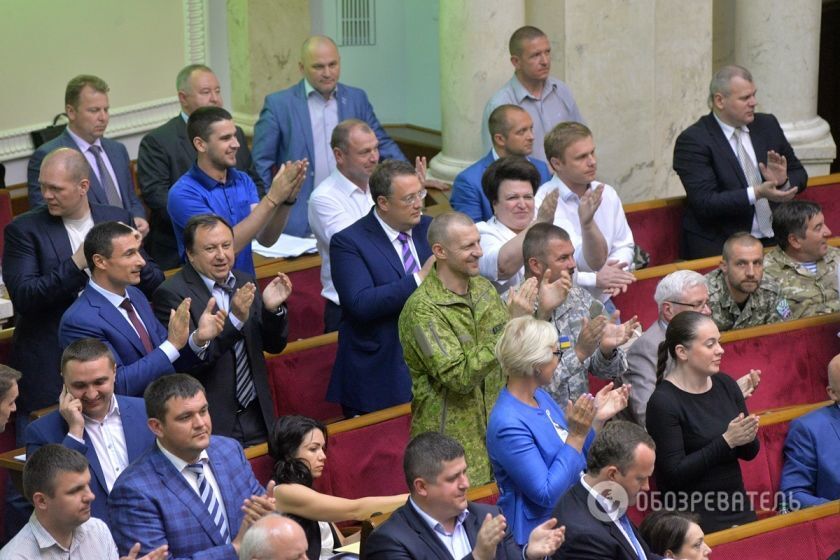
(746, 142)
(392, 235)
(609, 217)
(108, 439)
(334, 205)
(494, 234)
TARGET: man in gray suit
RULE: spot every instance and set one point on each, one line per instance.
(86, 105)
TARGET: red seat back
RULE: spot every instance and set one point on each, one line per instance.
(306, 306)
(828, 197)
(656, 230)
(263, 467)
(367, 461)
(299, 380)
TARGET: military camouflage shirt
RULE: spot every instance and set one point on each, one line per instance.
(448, 343)
(807, 294)
(570, 378)
(765, 305)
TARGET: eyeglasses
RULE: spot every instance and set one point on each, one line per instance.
(557, 353)
(412, 198)
(695, 306)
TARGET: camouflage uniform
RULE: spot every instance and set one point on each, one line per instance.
(570, 378)
(807, 294)
(764, 306)
(448, 343)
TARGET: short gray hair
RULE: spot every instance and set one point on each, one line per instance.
(722, 79)
(525, 344)
(673, 286)
(257, 541)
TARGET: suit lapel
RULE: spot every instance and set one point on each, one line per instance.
(184, 143)
(425, 533)
(380, 241)
(93, 460)
(95, 192)
(110, 315)
(301, 109)
(177, 484)
(612, 528)
(223, 476)
(724, 147)
(131, 420)
(834, 415)
(54, 228)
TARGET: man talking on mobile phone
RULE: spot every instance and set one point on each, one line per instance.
(92, 420)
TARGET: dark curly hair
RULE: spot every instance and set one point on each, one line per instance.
(287, 435)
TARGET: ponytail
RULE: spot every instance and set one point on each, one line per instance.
(662, 355)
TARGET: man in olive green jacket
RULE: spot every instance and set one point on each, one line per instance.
(448, 329)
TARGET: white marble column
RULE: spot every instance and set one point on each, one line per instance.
(779, 41)
(474, 63)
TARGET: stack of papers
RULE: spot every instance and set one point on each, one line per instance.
(287, 246)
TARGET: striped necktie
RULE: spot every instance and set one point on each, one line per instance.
(108, 185)
(409, 263)
(214, 507)
(245, 390)
(763, 214)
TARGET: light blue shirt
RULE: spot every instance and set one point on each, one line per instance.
(456, 542)
(323, 116)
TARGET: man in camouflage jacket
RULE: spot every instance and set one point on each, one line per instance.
(588, 345)
(739, 295)
(448, 329)
(803, 264)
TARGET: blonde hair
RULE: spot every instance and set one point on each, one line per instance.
(525, 344)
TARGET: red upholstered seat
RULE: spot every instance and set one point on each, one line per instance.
(298, 382)
(5, 216)
(306, 306)
(263, 467)
(367, 461)
(828, 197)
(786, 543)
(656, 230)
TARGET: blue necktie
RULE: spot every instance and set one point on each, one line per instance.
(214, 507)
(628, 528)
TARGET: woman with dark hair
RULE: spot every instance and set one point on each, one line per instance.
(701, 426)
(298, 446)
(675, 534)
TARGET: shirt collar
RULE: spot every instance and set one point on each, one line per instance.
(42, 536)
(521, 93)
(389, 231)
(309, 90)
(610, 507)
(727, 129)
(210, 283)
(345, 185)
(495, 153)
(433, 523)
(83, 144)
(179, 463)
(114, 299)
(185, 116)
(208, 182)
(566, 194)
(113, 410)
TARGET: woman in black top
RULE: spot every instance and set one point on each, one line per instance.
(701, 427)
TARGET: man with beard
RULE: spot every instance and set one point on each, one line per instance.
(739, 295)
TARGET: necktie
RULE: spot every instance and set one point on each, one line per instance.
(245, 390)
(205, 492)
(409, 263)
(763, 214)
(138, 325)
(628, 528)
(105, 178)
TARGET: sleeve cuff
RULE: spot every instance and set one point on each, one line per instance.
(751, 195)
(171, 352)
(585, 279)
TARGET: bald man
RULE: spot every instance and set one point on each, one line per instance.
(273, 537)
(811, 474)
(44, 269)
(297, 123)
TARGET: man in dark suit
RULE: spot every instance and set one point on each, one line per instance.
(233, 373)
(109, 430)
(511, 134)
(44, 269)
(376, 264)
(86, 105)
(438, 523)
(166, 153)
(112, 310)
(733, 163)
(593, 511)
(188, 490)
(316, 104)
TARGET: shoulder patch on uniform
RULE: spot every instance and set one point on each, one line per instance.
(783, 308)
(565, 342)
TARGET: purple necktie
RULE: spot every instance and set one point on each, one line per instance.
(138, 325)
(408, 259)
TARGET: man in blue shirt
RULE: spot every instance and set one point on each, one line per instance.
(214, 186)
